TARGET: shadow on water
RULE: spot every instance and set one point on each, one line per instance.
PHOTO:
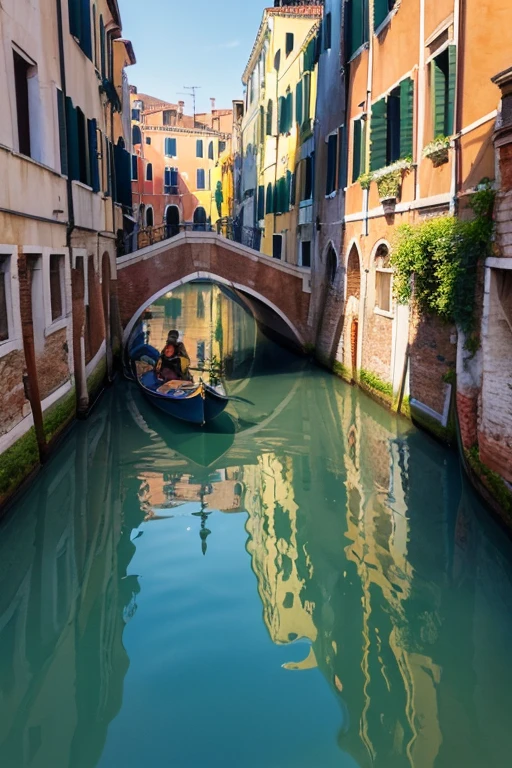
(384, 587)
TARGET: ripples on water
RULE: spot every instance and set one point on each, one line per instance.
(308, 584)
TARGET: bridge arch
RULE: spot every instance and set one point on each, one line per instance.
(236, 287)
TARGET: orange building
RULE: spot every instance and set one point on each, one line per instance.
(174, 158)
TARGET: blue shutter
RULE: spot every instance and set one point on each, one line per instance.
(200, 178)
(406, 117)
(74, 18)
(379, 135)
(199, 148)
(174, 179)
(167, 147)
(102, 48)
(93, 155)
(85, 28)
(167, 180)
(261, 202)
(210, 150)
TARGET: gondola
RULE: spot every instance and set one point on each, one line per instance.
(195, 403)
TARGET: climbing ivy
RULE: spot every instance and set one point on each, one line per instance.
(437, 261)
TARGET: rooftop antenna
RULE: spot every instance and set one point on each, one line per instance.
(193, 88)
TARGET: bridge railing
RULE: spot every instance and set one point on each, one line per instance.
(134, 241)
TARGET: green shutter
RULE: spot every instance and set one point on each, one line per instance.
(289, 112)
(309, 56)
(380, 11)
(275, 200)
(357, 10)
(439, 99)
(93, 155)
(72, 136)
(298, 103)
(61, 110)
(452, 80)
(378, 136)
(307, 97)
(270, 199)
(261, 202)
(406, 117)
(342, 158)
(356, 150)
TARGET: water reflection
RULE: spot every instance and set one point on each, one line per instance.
(376, 575)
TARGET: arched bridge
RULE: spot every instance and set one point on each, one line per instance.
(278, 293)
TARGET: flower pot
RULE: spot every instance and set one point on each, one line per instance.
(388, 204)
(439, 157)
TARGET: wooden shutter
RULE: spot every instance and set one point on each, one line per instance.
(174, 178)
(270, 199)
(330, 180)
(261, 202)
(61, 111)
(167, 178)
(452, 81)
(281, 114)
(102, 48)
(348, 31)
(406, 117)
(289, 112)
(93, 155)
(380, 11)
(356, 24)
(307, 97)
(439, 98)
(356, 150)
(378, 136)
(199, 148)
(72, 136)
(298, 102)
(74, 17)
(210, 151)
(270, 115)
(342, 158)
(328, 31)
(85, 28)
(393, 138)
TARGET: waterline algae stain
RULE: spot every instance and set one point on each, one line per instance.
(307, 583)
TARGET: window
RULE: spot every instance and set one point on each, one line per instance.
(102, 48)
(356, 25)
(201, 348)
(277, 246)
(289, 43)
(21, 77)
(200, 178)
(80, 24)
(57, 286)
(327, 31)
(383, 279)
(61, 112)
(169, 117)
(200, 308)
(149, 172)
(308, 178)
(4, 297)
(135, 168)
(95, 34)
(269, 202)
(381, 9)
(442, 88)
(210, 151)
(199, 148)
(298, 103)
(305, 253)
(150, 219)
(83, 148)
(277, 61)
(148, 140)
(306, 95)
(332, 156)
(136, 114)
(391, 135)
(286, 113)
(331, 265)
(94, 170)
(261, 203)
(358, 147)
(171, 149)
(270, 116)
(222, 147)
(136, 135)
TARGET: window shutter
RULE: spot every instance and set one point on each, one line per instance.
(356, 25)
(199, 148)
(135, 168)
(380, 11)
(356, 150)
(394, 132)
(330, 181)
(261, 203)
(210, 150)
(406, 117)
(298, 103)
(167, 150)
(85, 30)
(167, 177)
(270, 115)
(348, 31)
(174, 178)
(307, 97)
(328, 31)
(275, 201)
(309, 56)
(378, 137)
(61, 110)
(102, 48)
(289, 112)
(74, 17)
(289, 185)
(293, 188)
(269, 203)
(93, 155)
(281, 114)
(72, 135)
(439, 99)
(452, 81)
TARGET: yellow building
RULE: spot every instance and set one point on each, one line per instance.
(277, 147)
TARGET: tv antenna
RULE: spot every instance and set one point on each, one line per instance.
(192, 88)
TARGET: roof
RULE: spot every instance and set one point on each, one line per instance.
(293, 11)
(129, 49)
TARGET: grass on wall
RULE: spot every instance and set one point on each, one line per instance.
(59, 415)
(17, 462)
(492, 481)
(374, 383)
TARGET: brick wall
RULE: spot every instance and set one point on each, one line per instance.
(53, 364)
(377, 345)
(432, 356)
(12, 394)
(95, 324)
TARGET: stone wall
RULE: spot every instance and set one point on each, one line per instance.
(53, 365)
(433, 355)
(12, 393)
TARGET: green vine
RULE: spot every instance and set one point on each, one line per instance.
(437, 261)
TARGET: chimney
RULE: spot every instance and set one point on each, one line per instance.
(212, 102)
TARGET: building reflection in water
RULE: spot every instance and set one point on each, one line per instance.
(363, 545)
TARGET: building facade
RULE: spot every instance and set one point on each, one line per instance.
(64, 149)
(275, 195)
(174, 162)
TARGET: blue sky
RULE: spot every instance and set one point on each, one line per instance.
(191, 42)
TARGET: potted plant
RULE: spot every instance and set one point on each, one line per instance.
(389, 182)
(365, 180)
(437, 151)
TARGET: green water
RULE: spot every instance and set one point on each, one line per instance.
(310, 584)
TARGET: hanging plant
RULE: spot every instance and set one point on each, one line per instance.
(438, 151)
(365, 180)
(389, 179)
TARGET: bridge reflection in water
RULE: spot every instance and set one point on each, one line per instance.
(373, 567)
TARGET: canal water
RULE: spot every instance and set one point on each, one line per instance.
(308, 584)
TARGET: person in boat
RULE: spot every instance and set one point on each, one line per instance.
(174, 362)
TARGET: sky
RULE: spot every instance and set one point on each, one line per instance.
(191, 42)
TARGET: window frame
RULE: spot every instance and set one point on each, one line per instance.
(279, 235)
(14, 341)
(200, 144)
(171, 139)
(383, 271)
(198, 187)
(289, 43)
(149, 168)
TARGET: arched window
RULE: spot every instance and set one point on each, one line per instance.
(331, 265)
(150, 219)
(270, 117)
(149, 172)
(136, 135)
(383, 280)
(199, 219)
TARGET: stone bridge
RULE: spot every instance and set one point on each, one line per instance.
(278, 293)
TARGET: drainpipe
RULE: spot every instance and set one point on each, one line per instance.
(420, 130)
(459, 34)
(69, 183)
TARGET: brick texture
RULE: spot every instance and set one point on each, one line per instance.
(467, 410)
(12, 393)
(52, 364)
(432, 356)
